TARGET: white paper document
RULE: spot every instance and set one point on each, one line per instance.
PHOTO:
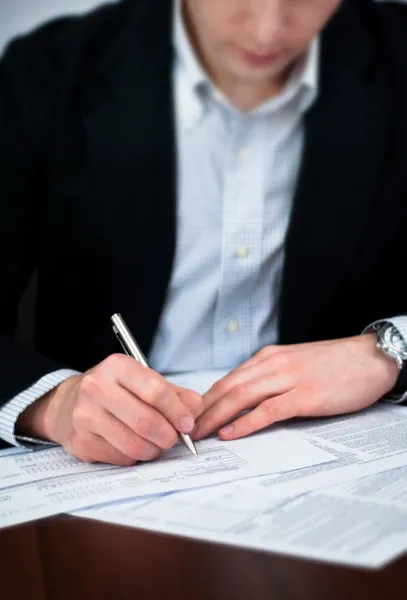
(267, 452)
(359, 523)
(58, 489)
(351, 510)
(22, 468)
(373, 433)
(353, 440)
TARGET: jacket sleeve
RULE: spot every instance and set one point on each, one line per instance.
(28, 93)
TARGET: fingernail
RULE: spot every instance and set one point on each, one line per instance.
(186, 424)
(227, 431)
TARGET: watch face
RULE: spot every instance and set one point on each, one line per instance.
(394, 340)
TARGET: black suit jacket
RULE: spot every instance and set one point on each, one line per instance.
(88, 186)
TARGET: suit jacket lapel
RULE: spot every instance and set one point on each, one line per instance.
(346, 136)
(131, 153)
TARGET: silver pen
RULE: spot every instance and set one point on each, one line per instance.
(132, 349)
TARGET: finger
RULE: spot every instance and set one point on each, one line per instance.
(275, 365)
(224, 386)
(152, 389)
(265, 414)
(266, 353)
(260, 356)
(121, 437)
(192, 400)
(91, 448)
(142, 419)
(243, 396)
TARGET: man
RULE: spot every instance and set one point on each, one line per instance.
(231, 176)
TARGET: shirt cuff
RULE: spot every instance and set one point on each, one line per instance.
(12, 409)
(400, 323)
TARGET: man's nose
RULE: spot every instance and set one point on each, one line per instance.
(267, 23)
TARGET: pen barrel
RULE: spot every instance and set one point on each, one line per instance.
(127, 340)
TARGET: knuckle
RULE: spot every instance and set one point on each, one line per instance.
(281, 360)
(192, 401)
(135, 448)
(278, 411)
(139, 449)
(114, 360)
(113, 363)
(153, 429)
(154, 384)
(161, 434)
(270, 412)
(159, 395)
(241, 390)
(265, 352)
(220, 388)
(90, 386)
(145, 427)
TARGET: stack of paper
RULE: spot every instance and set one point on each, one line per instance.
(330, 489)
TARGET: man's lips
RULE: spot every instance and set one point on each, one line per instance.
(258, 60)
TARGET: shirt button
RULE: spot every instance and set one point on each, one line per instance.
(217, 95)
(242, 252)
(243, 154)
(233, 326)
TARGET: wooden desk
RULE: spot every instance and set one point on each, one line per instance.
(73, 559)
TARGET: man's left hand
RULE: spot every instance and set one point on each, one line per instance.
(305, 380)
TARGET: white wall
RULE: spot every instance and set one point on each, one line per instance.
(19, 16)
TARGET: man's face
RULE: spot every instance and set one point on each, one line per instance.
(254, 41)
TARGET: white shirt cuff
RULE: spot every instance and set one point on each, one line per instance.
(12, 409)
(401, 325)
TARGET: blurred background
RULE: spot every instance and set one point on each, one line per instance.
(19, 16)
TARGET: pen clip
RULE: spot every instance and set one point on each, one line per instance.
(119, 337)
(126, 339)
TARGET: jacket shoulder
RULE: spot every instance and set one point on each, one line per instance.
(392, 19)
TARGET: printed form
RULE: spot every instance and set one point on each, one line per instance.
(362, 522)
(351, 510)
(47, 482)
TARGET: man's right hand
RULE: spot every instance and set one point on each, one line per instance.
(119, 412)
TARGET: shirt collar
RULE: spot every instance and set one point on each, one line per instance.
(185, 53)
(303, 82)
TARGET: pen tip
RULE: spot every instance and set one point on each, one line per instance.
(190, 445)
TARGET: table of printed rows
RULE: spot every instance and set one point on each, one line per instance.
(76, 559)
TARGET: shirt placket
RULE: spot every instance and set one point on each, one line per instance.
(241, 242)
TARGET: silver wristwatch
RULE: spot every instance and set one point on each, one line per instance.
(391, 342)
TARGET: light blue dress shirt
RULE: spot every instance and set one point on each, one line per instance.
(237, 173)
